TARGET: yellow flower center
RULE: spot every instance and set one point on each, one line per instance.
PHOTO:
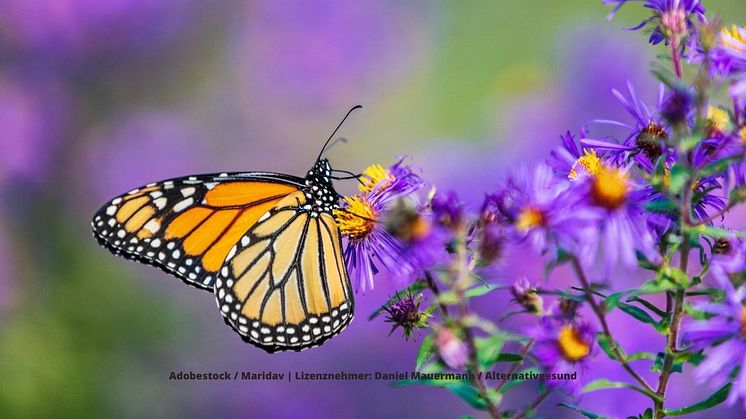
(734, 39)
(743, 322)
(718, 119)
(742, 134)
(571, 344)
(609, 188)
(587, 165)
(529, 218)
(372, 176)
(358, 219)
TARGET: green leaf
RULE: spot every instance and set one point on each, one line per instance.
(677, 366)
(679, 176)
(737, 195)
(509, 357)
(639, 314)
(602, 384)
(613, 300)
(468, 394)
(414, 289)
(561, 258)
(664, 206)
(448, 298)
(488, 349)
(650, 306)
(589, 415)
(708, 231)
(713, 400)
(460, 388)
(483, 290)
(640, 355)
(427, 348)
(606, 344)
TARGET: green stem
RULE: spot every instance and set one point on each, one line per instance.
(462, 271)
(601, 314)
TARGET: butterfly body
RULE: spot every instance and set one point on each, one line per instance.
(266, 244)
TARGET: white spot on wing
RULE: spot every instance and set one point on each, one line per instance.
(183, 204)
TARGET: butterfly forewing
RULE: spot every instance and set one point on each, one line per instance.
(285, 285)
(187, 226)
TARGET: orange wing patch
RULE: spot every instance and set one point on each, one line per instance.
(188, 226)
(245, 193)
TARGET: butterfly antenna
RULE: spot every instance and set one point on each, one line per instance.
(350, 175)
(337, 129)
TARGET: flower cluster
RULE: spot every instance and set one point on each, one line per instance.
(648, 200)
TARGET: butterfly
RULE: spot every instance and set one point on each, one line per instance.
(266, 244)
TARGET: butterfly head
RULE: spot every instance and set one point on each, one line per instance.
(319, 189)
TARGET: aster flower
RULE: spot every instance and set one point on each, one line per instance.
(564, 348)
(621, 227)
(541, 210)
(647, 139)
(569, 160)
(360, 220)
(527, 295)
(729, 55)
(729, 254)
(422, 240)
(447, 210)
(451, 348)
(672, 18)
(723, 336)
(405, 313)
(491, 243)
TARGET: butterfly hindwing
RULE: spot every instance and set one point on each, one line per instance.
(285, 285)
(187, 226)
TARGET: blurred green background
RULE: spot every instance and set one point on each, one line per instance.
(99, 97)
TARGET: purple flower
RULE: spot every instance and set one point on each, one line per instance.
(729, 254)
(34, 121)
(448, 211)
(723, 337)
(567, 161)
(397, 181)
(368, 242)
(527, 295)
(672, 18)
(647, 139)
(491, 243)
(564, 348)
(451, 348)
(541, 210)
(423, 241)
(405, 313)
(361, 220)
(621, 227)
(729, 56)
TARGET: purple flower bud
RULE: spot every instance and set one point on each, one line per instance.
(451, 348)
(677, 107)
(405, 313)
(527, 295)
(447, 209)
(491, 244)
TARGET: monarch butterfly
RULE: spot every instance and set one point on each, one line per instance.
(266, 244)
